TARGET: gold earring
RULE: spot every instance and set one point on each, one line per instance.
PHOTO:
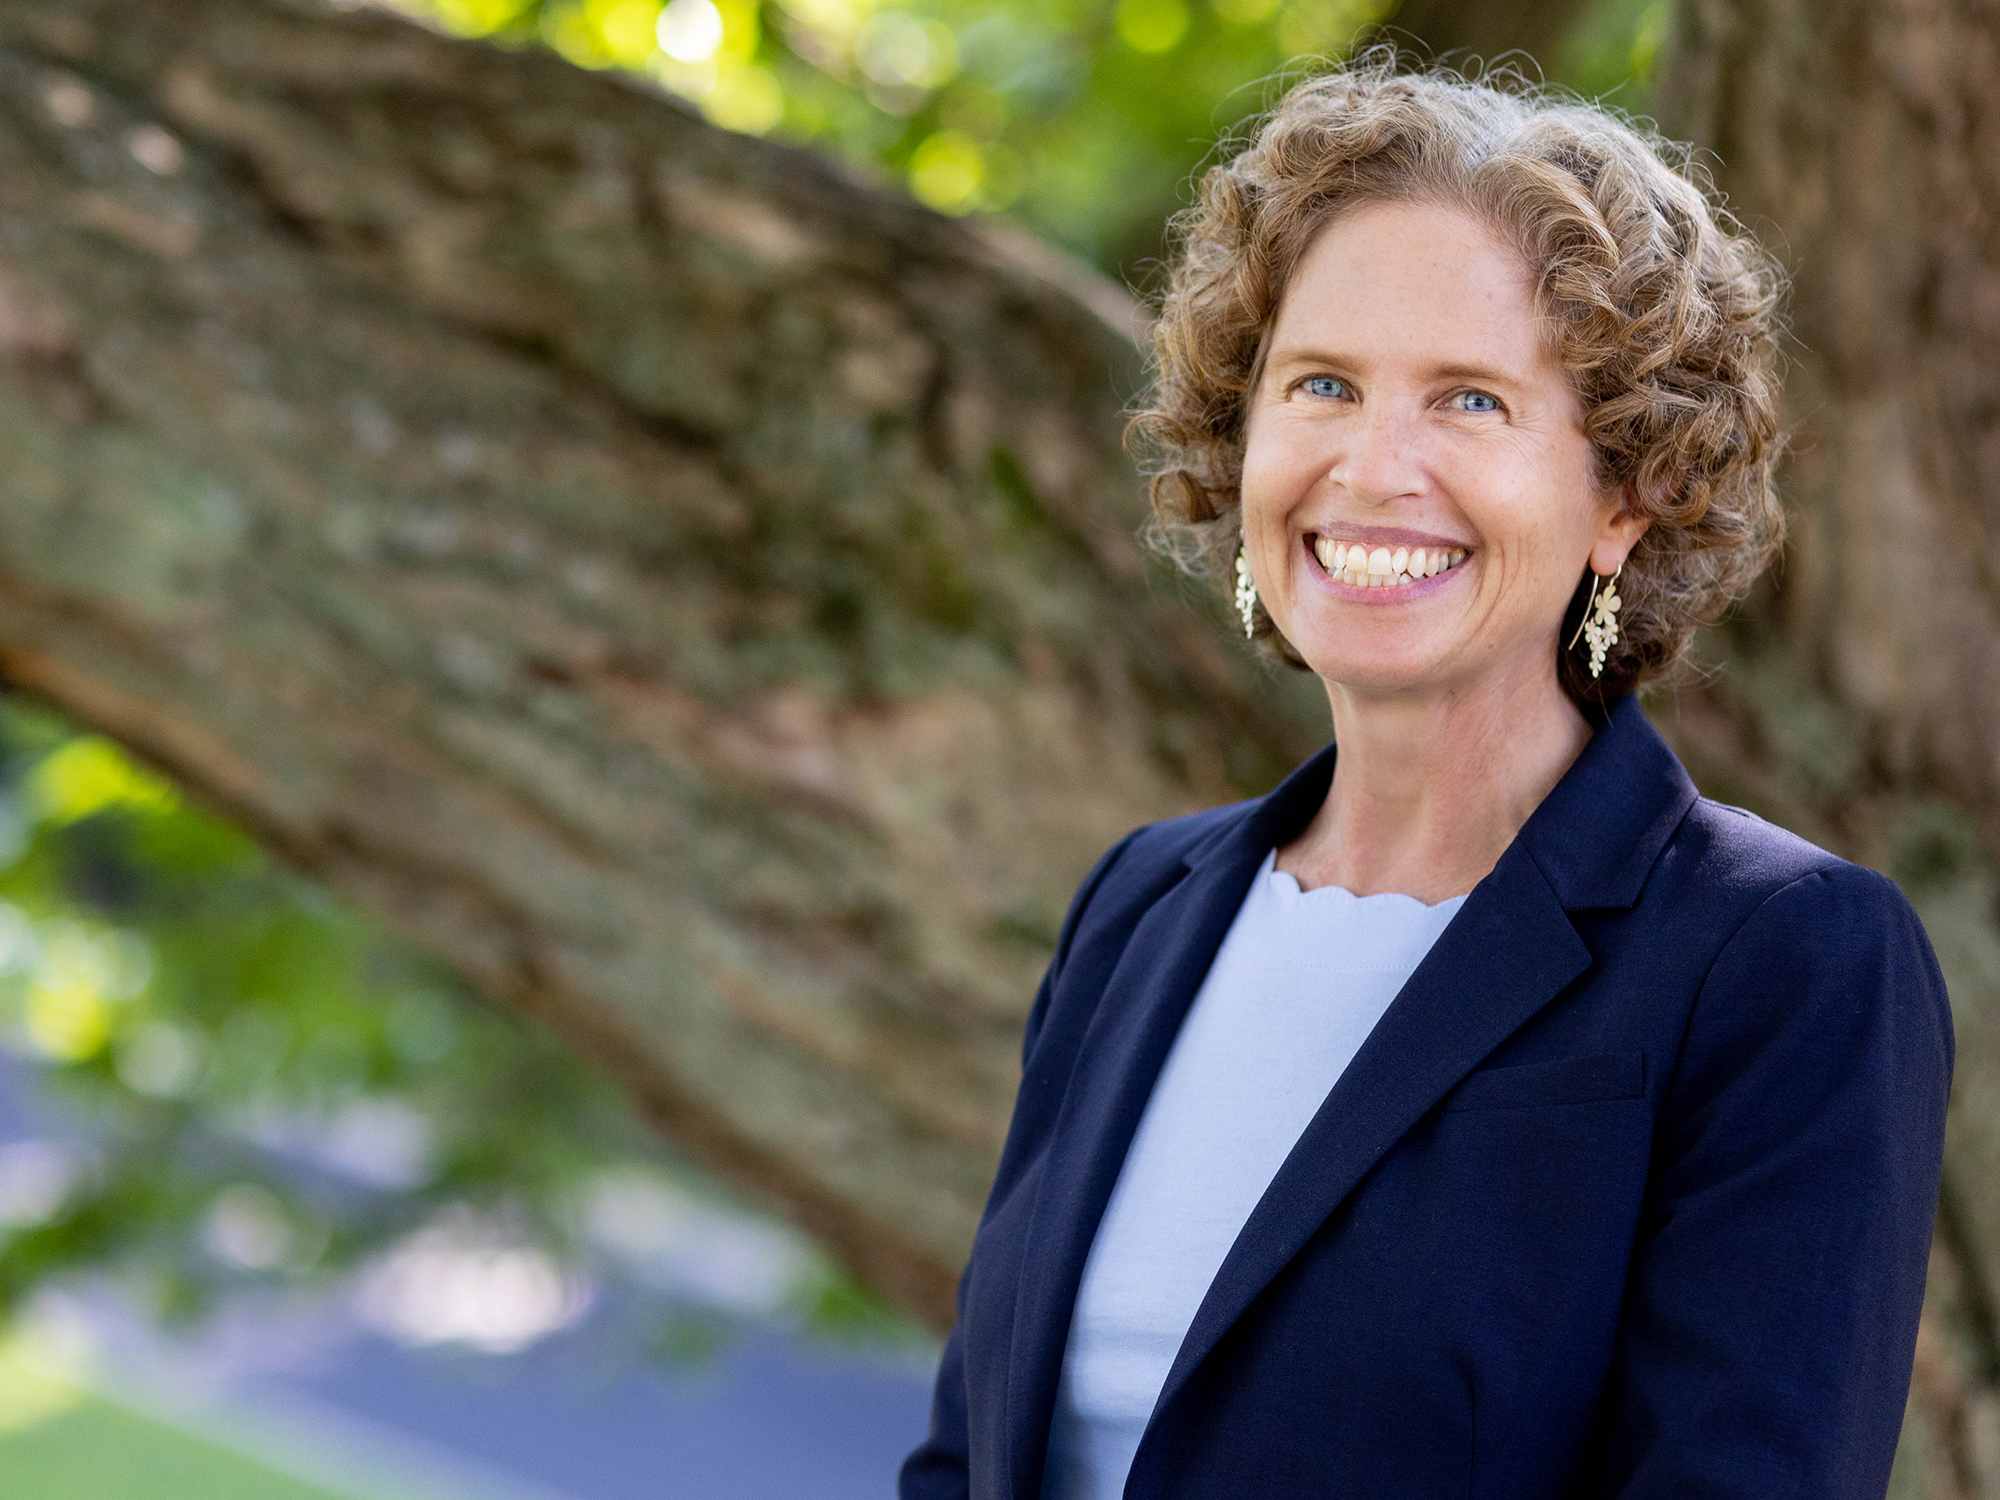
(1600, 628)
(1246, 593)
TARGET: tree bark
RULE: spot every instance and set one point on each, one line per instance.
(1857, 699)
(691, 590)
(1466, 32)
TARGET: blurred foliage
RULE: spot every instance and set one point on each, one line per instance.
(262, 1088)
(1082, 118)
(251, 1085)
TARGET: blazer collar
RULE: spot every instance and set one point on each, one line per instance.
(1595, 837)
(1509, 951)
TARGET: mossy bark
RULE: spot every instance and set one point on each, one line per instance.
(690, 589)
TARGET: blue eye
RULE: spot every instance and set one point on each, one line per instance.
(1326, 385)
(1477, 401)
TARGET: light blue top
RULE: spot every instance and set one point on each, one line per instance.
(1299, 982)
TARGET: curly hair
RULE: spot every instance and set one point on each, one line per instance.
(1660, 307)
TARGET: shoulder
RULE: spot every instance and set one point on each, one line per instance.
(1140, 868)
(1739, 848)
(1806, 946)
(1168, 844)
(1114, 897)
(1735, 873)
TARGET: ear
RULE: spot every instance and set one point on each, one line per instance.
(1617, 536)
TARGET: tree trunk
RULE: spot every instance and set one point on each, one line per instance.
(1859, 696)
(689, 589)
(1465, 32)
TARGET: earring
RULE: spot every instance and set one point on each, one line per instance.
(1601, 628)
(1246, 593)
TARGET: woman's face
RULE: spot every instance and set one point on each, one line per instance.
(1411, 417)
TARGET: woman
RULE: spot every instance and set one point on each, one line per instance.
(1482, 1112)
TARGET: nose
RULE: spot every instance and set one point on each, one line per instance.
(1384, 460)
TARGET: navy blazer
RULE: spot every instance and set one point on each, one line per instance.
(1629, 1193)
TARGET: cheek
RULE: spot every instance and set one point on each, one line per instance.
(1544, 479)
(1279, 462)
(1537, 523)
(1262, 481)
(1269, 491)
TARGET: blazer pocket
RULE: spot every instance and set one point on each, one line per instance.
(1568, 1080)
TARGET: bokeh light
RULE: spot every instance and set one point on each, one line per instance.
(690, 31)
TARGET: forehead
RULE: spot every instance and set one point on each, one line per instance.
(1413, 282)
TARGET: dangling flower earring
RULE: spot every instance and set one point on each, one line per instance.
(1246, 593)
(1601, 628)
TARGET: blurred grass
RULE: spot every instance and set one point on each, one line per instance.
(98, 1451)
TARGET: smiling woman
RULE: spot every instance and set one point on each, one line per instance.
(1407, 366)
(1592, 260)
(1483, 1111)
(1420, 499)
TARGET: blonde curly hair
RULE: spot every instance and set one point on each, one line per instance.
(1661, 308)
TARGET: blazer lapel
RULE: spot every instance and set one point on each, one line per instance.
(1123, 1049)
(1508, 952)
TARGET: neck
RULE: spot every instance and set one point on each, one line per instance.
(1428, 791)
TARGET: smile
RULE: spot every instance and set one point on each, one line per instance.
(1383, 567)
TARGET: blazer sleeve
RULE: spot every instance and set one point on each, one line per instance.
(1771, 1314)
(939, 1468)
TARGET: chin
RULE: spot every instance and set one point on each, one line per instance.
(1388, 672)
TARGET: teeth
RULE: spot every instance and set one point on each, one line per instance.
(1383, 567)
